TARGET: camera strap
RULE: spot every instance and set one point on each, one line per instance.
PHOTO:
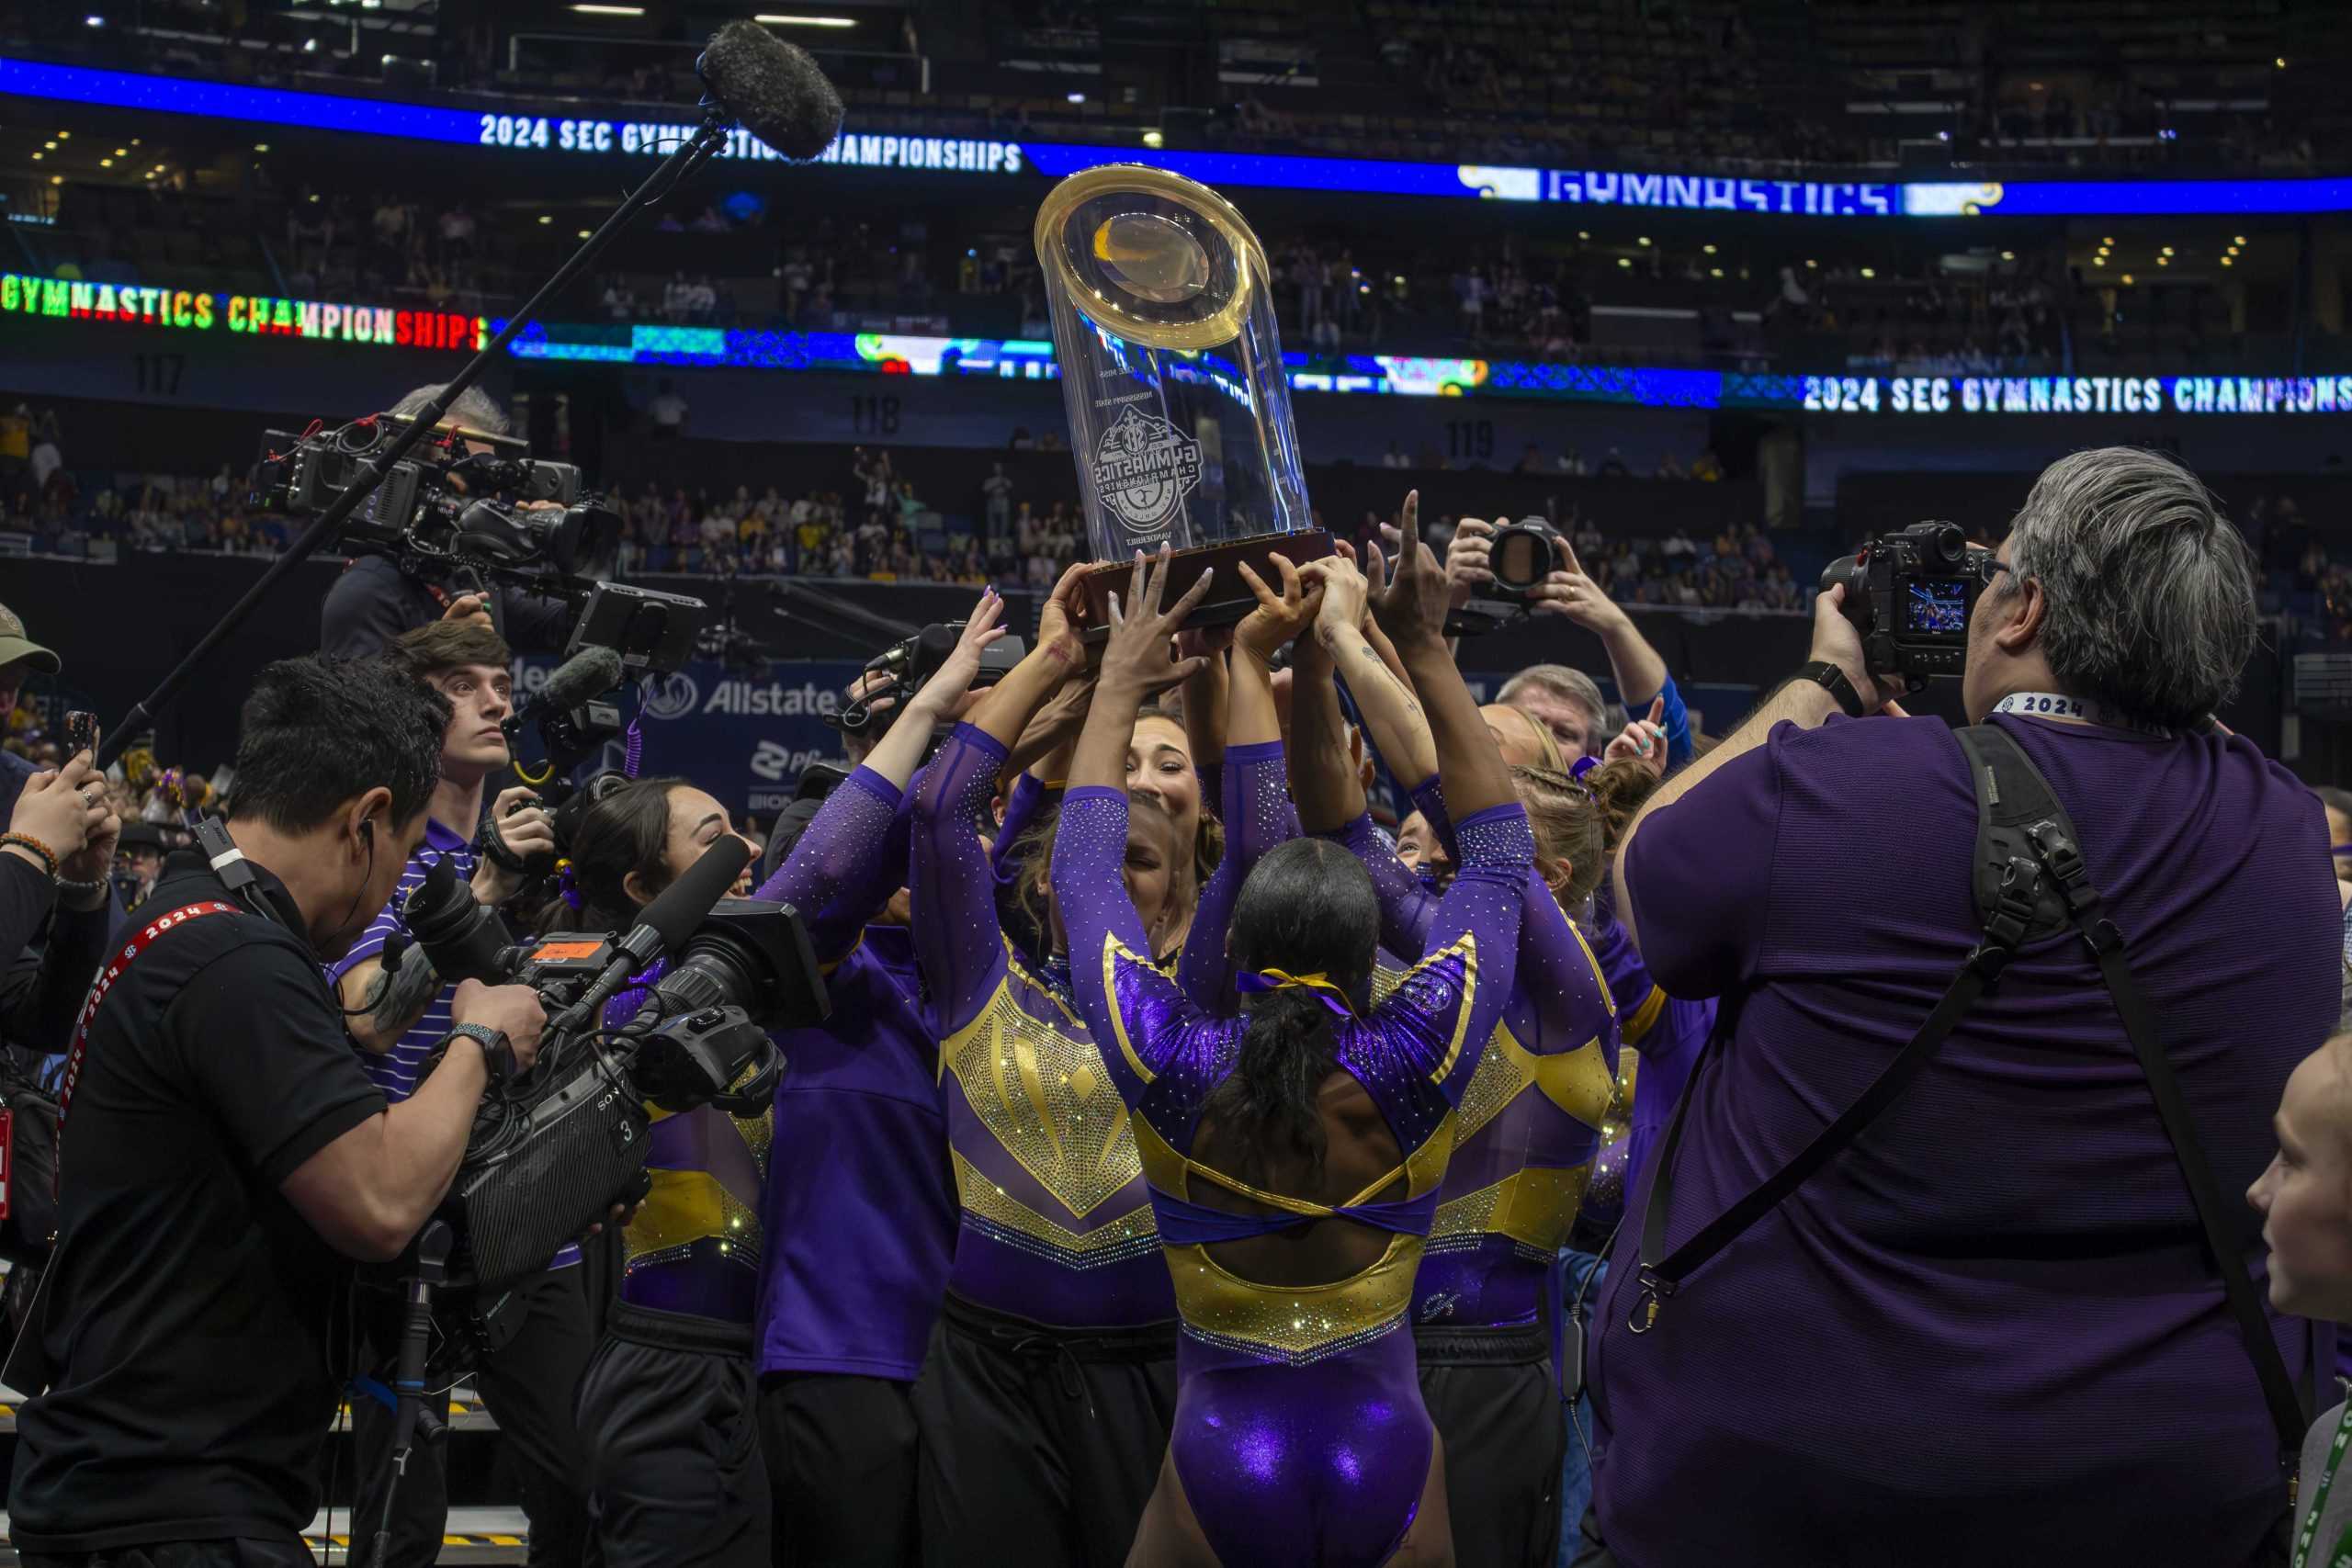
(2028, 882)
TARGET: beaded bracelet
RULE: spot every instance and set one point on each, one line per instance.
(47, 855)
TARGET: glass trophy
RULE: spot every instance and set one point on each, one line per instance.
(1172, 373)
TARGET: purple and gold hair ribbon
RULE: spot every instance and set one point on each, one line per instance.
(1328, 994)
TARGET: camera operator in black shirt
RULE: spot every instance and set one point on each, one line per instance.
(222, 1155)
(373, 602)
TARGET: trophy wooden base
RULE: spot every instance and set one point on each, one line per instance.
(1229, 599)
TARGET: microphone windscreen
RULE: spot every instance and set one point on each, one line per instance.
(681, 906)
(774, 88)
(591, 672)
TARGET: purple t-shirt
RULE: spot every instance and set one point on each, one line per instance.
(1986, 1328)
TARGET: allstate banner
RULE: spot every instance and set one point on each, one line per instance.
(745, 736)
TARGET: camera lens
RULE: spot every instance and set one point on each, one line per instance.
(1521, 559)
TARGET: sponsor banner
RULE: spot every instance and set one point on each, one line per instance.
(744, 736)
(527, 131)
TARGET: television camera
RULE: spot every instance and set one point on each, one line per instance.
(552, 1151)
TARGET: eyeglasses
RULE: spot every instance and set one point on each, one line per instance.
(1989, 568)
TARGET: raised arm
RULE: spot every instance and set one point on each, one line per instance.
(1136, 1012)
(1256, 810)
(1135, 664)
(1323, 780)
(1324, 777)
(1206, 706)
(1444, 1010)
(1399, 730)
(1411, 609)
(854, 853)
(951, 896)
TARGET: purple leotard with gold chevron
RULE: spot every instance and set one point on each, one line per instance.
(1054, 1225)
(1531, 1119)
(1300, 1435)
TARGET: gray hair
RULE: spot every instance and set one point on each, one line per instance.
(474, 408)
(2148, 589)
(1568, 685)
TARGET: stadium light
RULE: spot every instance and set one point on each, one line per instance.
(65, 135)
(1643, 239)
(57, 179)
(50, 146)
(2099, 260)
(610, 10)
(2234, 239)
(1870, 272)
(1624, 261)
(2169, 250)
(2127, 280)
(38, 156)
(106, 162)
(1076, 98)
(779, 21)
(2229, 261)
(2008, 256)
(101, 21)
(1153, 139)
(1709, 249)
(1584, 233)
(123, 152)
(583, 234)
(2164, 261)
(1715, 272)
(261, 146)
(547, 217)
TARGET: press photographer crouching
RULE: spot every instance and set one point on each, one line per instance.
(222, 1157)
(535, 1338)
(1942, 1255)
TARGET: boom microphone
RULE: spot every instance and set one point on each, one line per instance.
(773, 87)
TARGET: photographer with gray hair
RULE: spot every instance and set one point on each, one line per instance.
(1966, 1333)
(374, 602)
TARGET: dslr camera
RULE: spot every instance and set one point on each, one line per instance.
(1524, 553)
(445, 508)
(1910, 594)
(906, 664)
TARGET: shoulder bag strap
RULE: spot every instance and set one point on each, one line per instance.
(2056, 844)
(2006, 924)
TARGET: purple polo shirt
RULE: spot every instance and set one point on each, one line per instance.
(861, 1207)
(1985, 1332)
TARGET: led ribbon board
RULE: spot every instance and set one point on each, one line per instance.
(525, 130)
(259, 315)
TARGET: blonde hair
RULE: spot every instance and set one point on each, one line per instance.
(1580, 820)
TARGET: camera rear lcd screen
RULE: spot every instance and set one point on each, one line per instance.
(1936, 606)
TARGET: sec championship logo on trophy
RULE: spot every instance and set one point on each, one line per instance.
(1142, 470)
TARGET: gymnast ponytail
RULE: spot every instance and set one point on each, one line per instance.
(1307, 910)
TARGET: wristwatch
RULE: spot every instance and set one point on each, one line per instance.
(497, 1051)
(1834, 680)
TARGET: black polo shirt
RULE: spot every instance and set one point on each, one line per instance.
(192, 1317)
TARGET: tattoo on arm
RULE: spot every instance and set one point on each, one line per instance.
(396, 997)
